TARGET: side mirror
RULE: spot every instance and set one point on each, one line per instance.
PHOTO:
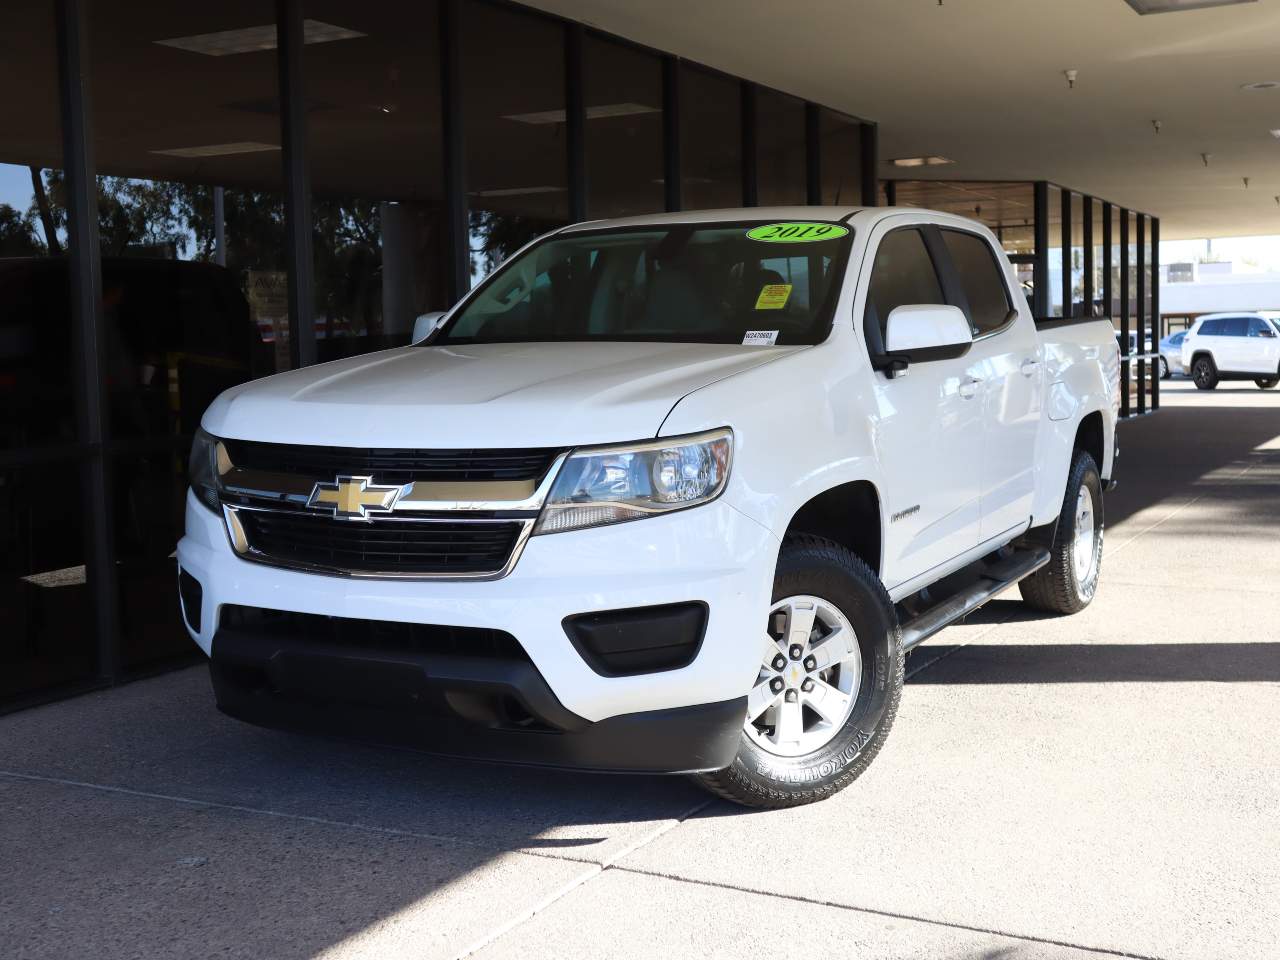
(426, 324)
(921, 332)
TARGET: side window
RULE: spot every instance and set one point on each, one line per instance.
(1258, 327)
(1235, 326)
(981, 278)
(1210, 328)
(903, 273)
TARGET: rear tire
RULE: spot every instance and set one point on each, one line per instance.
(825, 583)
(1268, 383)
(1067, 583)
(1164, 369)
(1205, 373)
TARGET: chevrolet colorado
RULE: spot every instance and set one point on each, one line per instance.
(662, 494)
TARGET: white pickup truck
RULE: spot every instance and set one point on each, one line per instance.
(663, 494)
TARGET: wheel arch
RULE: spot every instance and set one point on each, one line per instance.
(1202, 352)
(848, 513)
(1091, 437)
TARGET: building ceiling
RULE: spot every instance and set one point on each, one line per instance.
(982, 83)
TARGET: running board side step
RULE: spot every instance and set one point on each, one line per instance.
(994, 579)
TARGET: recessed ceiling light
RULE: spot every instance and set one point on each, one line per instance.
(1261, 85)
(218, 149)
(920, 161)
(1145, 7)
(254, 39)
(593, 113)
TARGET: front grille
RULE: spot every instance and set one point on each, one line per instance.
(392, 466)
(403, 547)
(374, 636)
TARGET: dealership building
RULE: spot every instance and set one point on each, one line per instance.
(192, 196)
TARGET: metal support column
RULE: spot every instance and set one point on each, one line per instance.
(1125, 307)
(1067, 299)
(575, 122)
(1155, 307)
(458, 243)
(813, 152)
(1141, 313)
(1086, 244)
(870, 165)
(1040, 270)
(671, 132)
(84, 269)
(297, 183)
(750, 146)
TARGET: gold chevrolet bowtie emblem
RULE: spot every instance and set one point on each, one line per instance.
(354, 498)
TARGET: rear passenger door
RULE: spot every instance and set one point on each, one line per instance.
(1233, 345)
(928, 427)
(1006, 356)
(1263, 347)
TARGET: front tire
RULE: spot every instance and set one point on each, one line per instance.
(1267, 383)
(1164, 369)
(829, 682)
(1205, 373)
(1067, 583)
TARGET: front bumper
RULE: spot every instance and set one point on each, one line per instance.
(712, 554)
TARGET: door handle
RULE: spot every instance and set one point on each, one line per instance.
(1029, 367)
(969, 388)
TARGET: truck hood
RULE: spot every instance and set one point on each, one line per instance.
(484, 395)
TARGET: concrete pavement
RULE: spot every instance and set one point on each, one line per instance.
(1100, 785)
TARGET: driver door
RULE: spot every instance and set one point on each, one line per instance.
(928, 426)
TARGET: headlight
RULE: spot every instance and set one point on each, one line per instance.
(613, 484)
(209, 461)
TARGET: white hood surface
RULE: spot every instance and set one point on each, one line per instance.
(483, 395)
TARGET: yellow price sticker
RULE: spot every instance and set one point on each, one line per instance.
(773, 296)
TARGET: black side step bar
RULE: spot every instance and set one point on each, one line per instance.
(994, 579)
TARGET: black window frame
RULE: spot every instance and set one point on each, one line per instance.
(872, 335)
(1011, 310)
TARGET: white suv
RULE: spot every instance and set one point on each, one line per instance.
(1233, 346)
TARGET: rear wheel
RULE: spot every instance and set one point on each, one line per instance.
(1164, 369)
(829, 681)
(1204, 373)
(1067, 583)
(1267, 383)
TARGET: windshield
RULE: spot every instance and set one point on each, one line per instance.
(747, 282)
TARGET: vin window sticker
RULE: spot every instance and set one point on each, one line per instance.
(760, 338)
(799, 232)
(773, 296)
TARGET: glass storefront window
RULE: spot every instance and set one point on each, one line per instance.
(1078, 241)
(377, 181)
(185, 314)
(840, 147)
(710, 140)
(36, 395)
(622, 88)
(1054, 277)
(47, 628)
(1098, 308)
(514, 128)
(781, 149)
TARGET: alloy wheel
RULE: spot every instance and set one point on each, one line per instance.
(810, 674)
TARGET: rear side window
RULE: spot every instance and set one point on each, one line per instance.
(903, 274)
(1235, 327)
(981, 279)
(1210, 328)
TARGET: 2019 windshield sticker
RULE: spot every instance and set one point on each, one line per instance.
(799, 232)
